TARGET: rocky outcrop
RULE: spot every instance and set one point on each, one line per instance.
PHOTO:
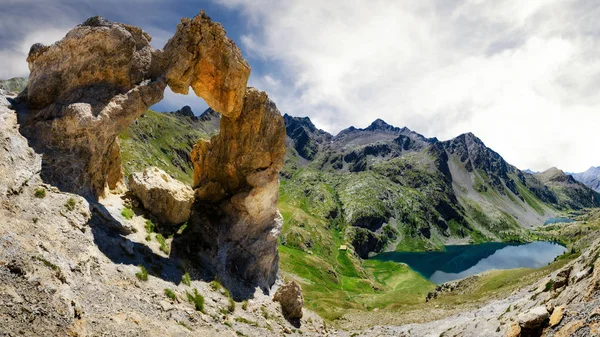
(87, 88)
(169, 200)
(236, 175)
(82, 92)
(291, 299)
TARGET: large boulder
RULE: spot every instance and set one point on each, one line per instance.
(168, 199)
(291, 299)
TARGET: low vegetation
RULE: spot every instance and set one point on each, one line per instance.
(142, 275)
(40, 193)
(170, 294)
(196, 299)
(70, 204)
(185, 279)
(127, 213)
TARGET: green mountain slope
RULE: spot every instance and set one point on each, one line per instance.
(165, 140)
(371, 190)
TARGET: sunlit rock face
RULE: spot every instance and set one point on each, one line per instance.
(87, 88)
(237, 173)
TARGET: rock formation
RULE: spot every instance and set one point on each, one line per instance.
(82, 92)
(169, 200)
(236, 173)
(87, 88)
(290, 297)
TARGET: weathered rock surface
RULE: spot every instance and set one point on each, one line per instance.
(67, 272)
(236, 175)
(201, 56)
(290, 297)
(82, 92)
(87, 88)
(168, 199)
(557, 315)
(533, 318)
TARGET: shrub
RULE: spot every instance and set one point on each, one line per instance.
(549, 285)
(127, 213)
(142, 275)
(196, 299)
(148, 238)
(40, 193)
(170, 294)
(70, 204)
(186, 279)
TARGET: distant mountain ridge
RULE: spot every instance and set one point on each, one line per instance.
(400, 190)
(590, 178)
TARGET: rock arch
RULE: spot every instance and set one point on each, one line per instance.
(87, 88)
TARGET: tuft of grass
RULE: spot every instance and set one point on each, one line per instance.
(148, 238)
(127, 213)
(70, 204)
(215, 285)
(196, 299)
(170, 294)
(150, 226)
(40, 193)
(182, 228)
(163, 243)
(245, 305)
(142, 275)
(246, 321)
(185, 279)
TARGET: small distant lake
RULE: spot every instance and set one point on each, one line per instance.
(558, 220)
(461, 261)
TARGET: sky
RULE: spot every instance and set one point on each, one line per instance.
(522, 75)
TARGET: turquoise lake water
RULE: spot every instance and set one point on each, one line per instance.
(461, 261)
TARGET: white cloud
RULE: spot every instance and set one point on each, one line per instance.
(522, 75)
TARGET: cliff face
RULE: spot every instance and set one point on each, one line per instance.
(89, 87)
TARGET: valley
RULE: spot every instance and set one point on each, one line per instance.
(120, 219)
(384, 190)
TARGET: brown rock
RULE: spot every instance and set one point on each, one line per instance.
(82, 92)
(237, 174)
(290, 297)
(87, 88)
(513, 331)
(201, 56)
(557, 315)
(569, 328)
(533, 318)
(562, 278)
(168, 199)
(594, 285)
